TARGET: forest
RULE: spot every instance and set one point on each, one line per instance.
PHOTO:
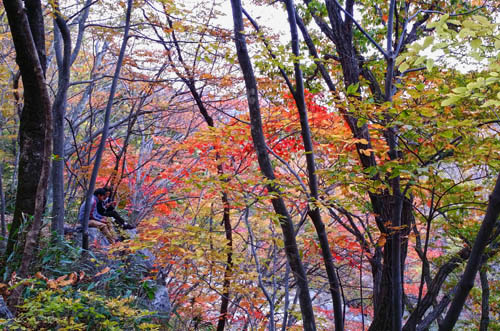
(256, 165)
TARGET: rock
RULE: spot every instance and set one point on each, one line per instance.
(161, 302)
(71, 230)
(4, 310)
(96, 238)
(143, 257)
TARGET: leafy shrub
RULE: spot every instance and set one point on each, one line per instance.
(70, 309)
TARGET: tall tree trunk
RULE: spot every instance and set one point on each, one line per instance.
(59, 109)
(188, 79)
(65, 58)
(104, 136)
(28, 34)
(36, 100)
(314, 213)
(391, 136)
(287, 227)
(387, 207)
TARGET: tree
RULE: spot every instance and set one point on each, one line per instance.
(65, 57)
(30, 58)
(258, 137)
(33, 128)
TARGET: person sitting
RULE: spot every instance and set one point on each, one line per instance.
(97, 220)
(107, 208)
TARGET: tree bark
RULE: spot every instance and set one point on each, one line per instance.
(3, 225)
(314, 213)
(467, 280)
(260, 146)
(485, 298)
(27, 29)
(36, 100)
(228, 230)
(393, 208)
(59, 109)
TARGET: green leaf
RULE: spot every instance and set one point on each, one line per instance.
(491, 102)
(352, 89)
(403, 67)
(439, 46)
(427, 41)
(451, 100)
(429, 64)
(476, 43)
(447, 134)
(460, 90)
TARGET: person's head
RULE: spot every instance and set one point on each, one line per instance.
(100, 194)
(108, 191)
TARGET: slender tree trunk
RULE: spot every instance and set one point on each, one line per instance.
(485, 298)
(260, 146)
(59, 109)
(16, 142)
(228, 230)
(314, 213)
(104, 136)
(392, 141)
(3, 226)
(467, 280)
(226, 219)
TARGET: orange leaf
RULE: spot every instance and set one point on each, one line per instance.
(381, 241)
(39, 275)
(52, 284)
(71, 280)
(103, 271)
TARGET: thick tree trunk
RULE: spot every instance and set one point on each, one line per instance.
(30, 56)
(37, 26)
(383, 273)
(37, 98)
(388, 277)
(291, 249)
